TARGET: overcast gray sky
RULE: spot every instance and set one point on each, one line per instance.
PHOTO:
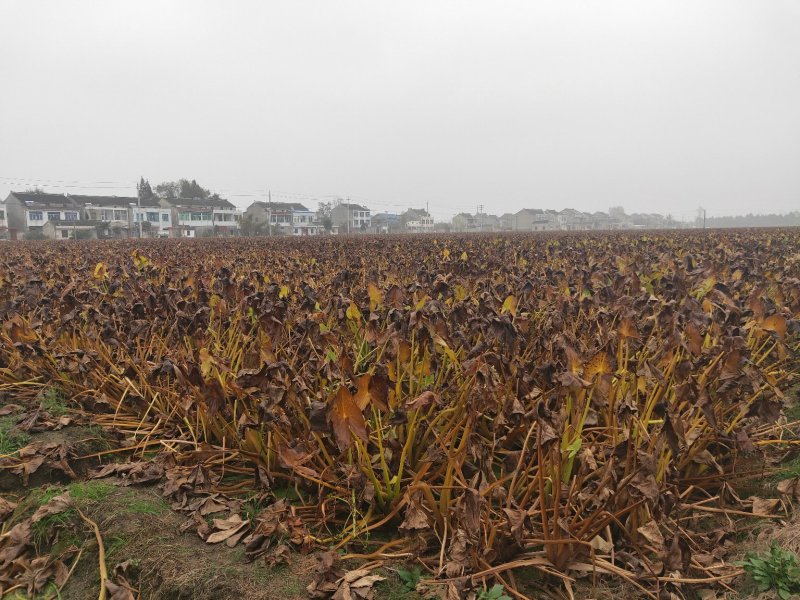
(657, 106)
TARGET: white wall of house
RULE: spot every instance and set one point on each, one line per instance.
(160, 219)
(224, 217)
(115, 215)
(303, 217)
(422, 225)
(361, 217)
(35, 217)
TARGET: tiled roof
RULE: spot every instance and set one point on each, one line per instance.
(105, 200)
(42, 199)
(353, 206)
(200, 203)
(281, 206)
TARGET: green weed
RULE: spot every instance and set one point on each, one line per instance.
(776, 570)
(496, 592)
(410, 578)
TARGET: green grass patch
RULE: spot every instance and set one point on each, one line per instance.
(54, 402)
(82, 493)
(11, 438)
(90, 491)
(143, 506)
(114, 544)
(788, 469)
(793, 412)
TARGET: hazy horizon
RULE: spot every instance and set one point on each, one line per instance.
(657, 107)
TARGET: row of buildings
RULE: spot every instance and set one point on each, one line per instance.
(293, 218)
(568, 219)
(34, 214)
(64, 216)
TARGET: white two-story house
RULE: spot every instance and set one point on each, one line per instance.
(284, 218)
(114, 212)
(351, 218)
(194, 217)
(27, 212)
(150, 219)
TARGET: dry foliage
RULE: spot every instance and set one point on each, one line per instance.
(554, 402)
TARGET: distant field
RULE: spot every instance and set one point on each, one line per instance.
(477, 406)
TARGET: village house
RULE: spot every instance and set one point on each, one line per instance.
(197, 217)
(417, 220)
(351, 218)
(507, 222)
(602, 221)
(421, 225)
(386, 223)
(27, 212)
(112, 212)
(151, 218)
(284, 218)
(462, 222)
(570, 219)
(467, 223)
(3, 222)
(536, 219)
(68, 230)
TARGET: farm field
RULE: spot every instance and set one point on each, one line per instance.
(397, 416)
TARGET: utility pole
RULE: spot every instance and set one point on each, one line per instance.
(480, 217)
(704, 218)
(139, 206)
(269, 212)
(427, 217)
(349, 215)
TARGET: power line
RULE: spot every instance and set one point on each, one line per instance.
(63, 181)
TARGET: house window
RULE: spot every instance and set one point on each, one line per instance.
(53, 216)
(70, 216)
(64, 234)
(35, 215)
(164, 217)
(2, 215)
(185, 216)
(152, 217)
(120, 215)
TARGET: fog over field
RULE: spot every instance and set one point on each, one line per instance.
(656, 106)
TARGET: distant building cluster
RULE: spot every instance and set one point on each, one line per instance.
(340, 217)
(65, 216)
(568, 219)
(36, 214)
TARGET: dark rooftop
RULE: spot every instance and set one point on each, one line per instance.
(106, 200)
(42, 199)
(281, 205)
(201, 202)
